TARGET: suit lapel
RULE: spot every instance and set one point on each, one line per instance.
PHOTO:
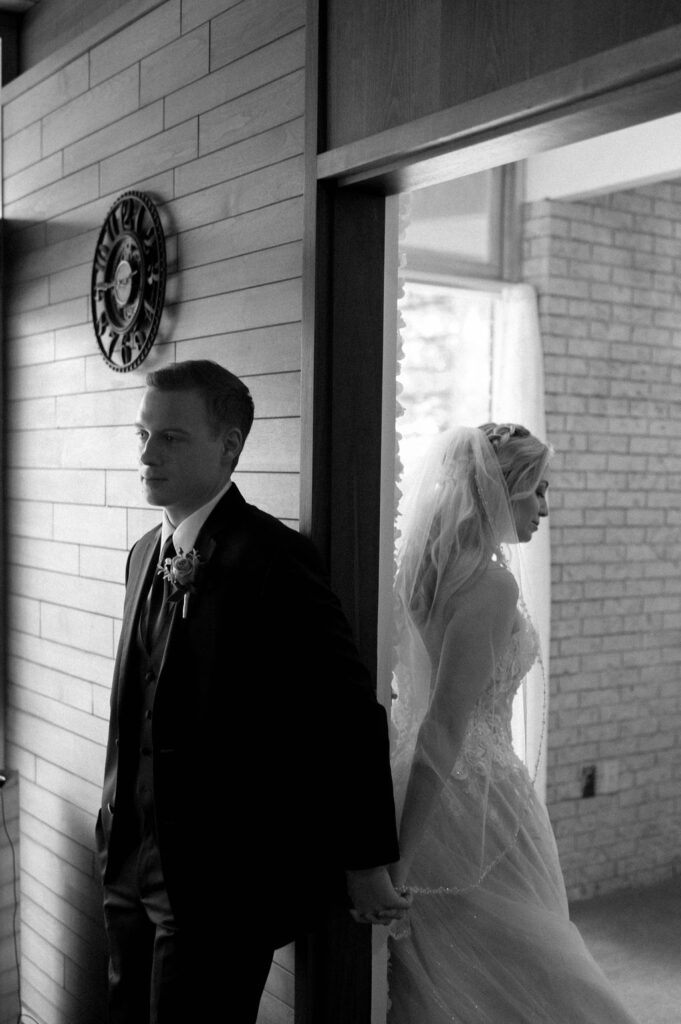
(142, 566)
(140, 585)
(223, 517)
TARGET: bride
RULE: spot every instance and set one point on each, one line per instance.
(488, 939)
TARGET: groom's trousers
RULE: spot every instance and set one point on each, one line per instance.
(160, 973)
(161, 970)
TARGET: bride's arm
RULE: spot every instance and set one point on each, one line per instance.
(476, 635)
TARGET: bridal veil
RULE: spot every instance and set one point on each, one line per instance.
(458, 522)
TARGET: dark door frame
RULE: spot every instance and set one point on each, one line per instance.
(342, 356)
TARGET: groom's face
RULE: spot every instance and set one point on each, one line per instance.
(183, 462)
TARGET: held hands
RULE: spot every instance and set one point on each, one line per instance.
(374, 897)
(398, 873)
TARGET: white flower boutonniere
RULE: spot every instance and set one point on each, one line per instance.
(182, 573)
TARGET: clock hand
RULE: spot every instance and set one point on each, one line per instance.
(106, 286)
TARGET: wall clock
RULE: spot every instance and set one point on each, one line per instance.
(128, 281)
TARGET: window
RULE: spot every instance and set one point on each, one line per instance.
(458, 350)
(446, 373)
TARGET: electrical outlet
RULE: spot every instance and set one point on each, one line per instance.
(589, 780)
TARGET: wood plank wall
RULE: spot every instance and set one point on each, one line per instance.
(200, 104)
(51, 24)
(9, 881)
(391, 61)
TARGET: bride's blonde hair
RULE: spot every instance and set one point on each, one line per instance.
(522, 457)
(462, 516)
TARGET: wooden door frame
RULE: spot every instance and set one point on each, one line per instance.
(342, 354)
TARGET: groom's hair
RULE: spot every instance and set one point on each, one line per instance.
(228, 400)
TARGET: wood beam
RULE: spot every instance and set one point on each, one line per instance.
(627, 85)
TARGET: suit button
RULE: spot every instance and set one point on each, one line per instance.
(110, 808)
(145, 751)
(149, 677)
(147, 714)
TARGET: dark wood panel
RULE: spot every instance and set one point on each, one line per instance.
(340, 508)
(333, 965)
(632, 83)
(9, 39)
(4, 394)
(392, 61)
(356, 338)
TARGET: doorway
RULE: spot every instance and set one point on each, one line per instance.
(352, 310)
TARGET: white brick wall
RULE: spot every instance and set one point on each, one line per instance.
(606, 270)
(199, 103)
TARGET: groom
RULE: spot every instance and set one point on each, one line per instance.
(247, 783)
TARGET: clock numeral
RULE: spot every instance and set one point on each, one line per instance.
(112, 226)
(126, 212)
(148, 238)
(153, 273)
(140, 219)
(102, 256)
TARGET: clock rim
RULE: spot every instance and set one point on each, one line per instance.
(159, 240)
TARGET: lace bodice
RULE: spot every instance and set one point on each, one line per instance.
(487, 745)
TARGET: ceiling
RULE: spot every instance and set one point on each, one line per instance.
(17, 6)
(621, 159)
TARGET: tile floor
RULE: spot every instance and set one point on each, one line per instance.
(635, 935)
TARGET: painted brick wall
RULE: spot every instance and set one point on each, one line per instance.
(200, 104)
(607, 272)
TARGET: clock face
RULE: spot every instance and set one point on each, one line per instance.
(128, 281)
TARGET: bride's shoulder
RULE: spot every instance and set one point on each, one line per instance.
(495, 590)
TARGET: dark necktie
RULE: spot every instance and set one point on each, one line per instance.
(158, 594)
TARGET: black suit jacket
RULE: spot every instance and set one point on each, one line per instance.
(271, 771)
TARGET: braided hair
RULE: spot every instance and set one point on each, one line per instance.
(521, 456)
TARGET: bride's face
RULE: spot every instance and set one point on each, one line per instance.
(530, 510)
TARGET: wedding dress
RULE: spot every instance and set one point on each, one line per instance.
(488, 939)
(500, 950)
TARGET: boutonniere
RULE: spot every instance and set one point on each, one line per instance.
(182, 573)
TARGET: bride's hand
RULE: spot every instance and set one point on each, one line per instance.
(398, 874)
(374, 898)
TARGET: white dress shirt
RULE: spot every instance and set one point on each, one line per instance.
(185, 533)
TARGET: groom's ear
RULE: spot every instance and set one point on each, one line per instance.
(232, 444)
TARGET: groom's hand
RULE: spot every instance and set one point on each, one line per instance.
(374, 898)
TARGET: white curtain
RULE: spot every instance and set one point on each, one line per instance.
(518, 396)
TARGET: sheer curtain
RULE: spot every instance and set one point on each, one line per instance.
(496, 373)
(517, 395)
